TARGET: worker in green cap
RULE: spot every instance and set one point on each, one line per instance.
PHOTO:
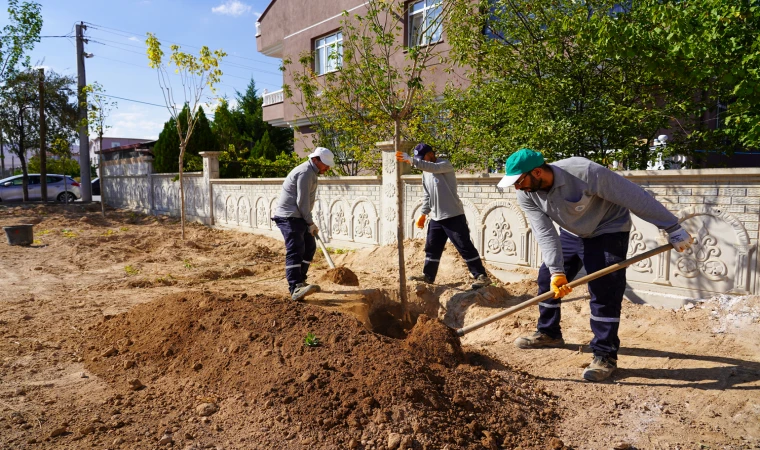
(593, 206)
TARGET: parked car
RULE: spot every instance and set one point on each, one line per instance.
(59, 187)
(96, 186)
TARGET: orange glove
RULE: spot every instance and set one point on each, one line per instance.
(421, 221)
(403, 157)
(559, 285)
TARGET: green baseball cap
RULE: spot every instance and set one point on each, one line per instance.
(518, 163)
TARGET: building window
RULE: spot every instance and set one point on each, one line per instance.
(328, 53)
(115, 144)
(425, 26)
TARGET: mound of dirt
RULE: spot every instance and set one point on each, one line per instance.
(432, 340)
(343, 276)
(239, 363)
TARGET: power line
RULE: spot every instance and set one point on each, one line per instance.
(129, 34)
(225, 75)
(135, 101)
(223, 64)
(26, 35)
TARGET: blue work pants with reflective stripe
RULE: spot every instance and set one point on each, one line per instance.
(456, 229)
(300, 247)
(606, 292)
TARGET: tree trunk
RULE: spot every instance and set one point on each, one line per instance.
(2, 157)
(101, 181)
(25, 172)
(182, 189)
(22, 160)
(400, 229)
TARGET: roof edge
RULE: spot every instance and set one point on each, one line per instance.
(266, 11)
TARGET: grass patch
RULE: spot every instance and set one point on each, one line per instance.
(131, 270)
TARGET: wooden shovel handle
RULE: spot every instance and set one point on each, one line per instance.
(572, 284)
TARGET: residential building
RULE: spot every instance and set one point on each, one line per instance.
(109, 142)
(289, 28)
(126, 159)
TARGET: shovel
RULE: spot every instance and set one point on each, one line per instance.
(547, 295)
(324, 252)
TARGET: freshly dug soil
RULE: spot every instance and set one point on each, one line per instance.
(685, 378)
(214, 362)
(343, 276)
(432, 340)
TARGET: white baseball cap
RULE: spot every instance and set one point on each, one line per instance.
(325, 155)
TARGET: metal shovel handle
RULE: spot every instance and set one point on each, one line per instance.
(547, 295)
(324, 252)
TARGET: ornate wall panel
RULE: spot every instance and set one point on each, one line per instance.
(340, 220)
(504, 232)
(365, 221)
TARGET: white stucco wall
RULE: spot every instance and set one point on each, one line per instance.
(719, 207)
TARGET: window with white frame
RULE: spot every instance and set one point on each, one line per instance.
(328, 53)
(425, 25)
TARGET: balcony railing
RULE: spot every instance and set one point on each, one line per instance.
(271, 98)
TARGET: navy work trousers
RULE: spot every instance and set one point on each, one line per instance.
(300, 247)
(454, 228)
(606, 292)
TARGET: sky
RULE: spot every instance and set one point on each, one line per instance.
(117, 29)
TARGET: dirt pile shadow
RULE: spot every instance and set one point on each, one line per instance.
(210, 362)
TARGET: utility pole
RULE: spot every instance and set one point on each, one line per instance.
(84, 140)
(43, 137)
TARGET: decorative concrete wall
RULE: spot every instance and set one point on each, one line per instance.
(130, 166)
(719, 207)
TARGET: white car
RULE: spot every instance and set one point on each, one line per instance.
(59, 187)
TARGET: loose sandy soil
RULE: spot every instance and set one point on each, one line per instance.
(115, 333)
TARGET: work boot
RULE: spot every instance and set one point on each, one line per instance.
(538, 340)
(303, 289)
(600, 368)
(481, 282)
(424, 278)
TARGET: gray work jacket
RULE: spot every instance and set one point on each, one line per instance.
(439, 185)
(587, 200)
(299, 192)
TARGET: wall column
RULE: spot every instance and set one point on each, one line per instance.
(391, 186)
(210, 172)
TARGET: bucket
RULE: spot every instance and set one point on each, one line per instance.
(19, 234)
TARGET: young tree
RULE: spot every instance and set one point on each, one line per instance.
(196, 73)
(379, 85)
(99, 107)
(19, 112)
(19, 36)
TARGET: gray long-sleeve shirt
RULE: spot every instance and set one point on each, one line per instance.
(587, 200)
(439, 185)
(299, 192)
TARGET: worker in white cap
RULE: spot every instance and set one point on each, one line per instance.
(293, 217)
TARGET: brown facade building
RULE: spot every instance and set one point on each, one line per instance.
(289, 28)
